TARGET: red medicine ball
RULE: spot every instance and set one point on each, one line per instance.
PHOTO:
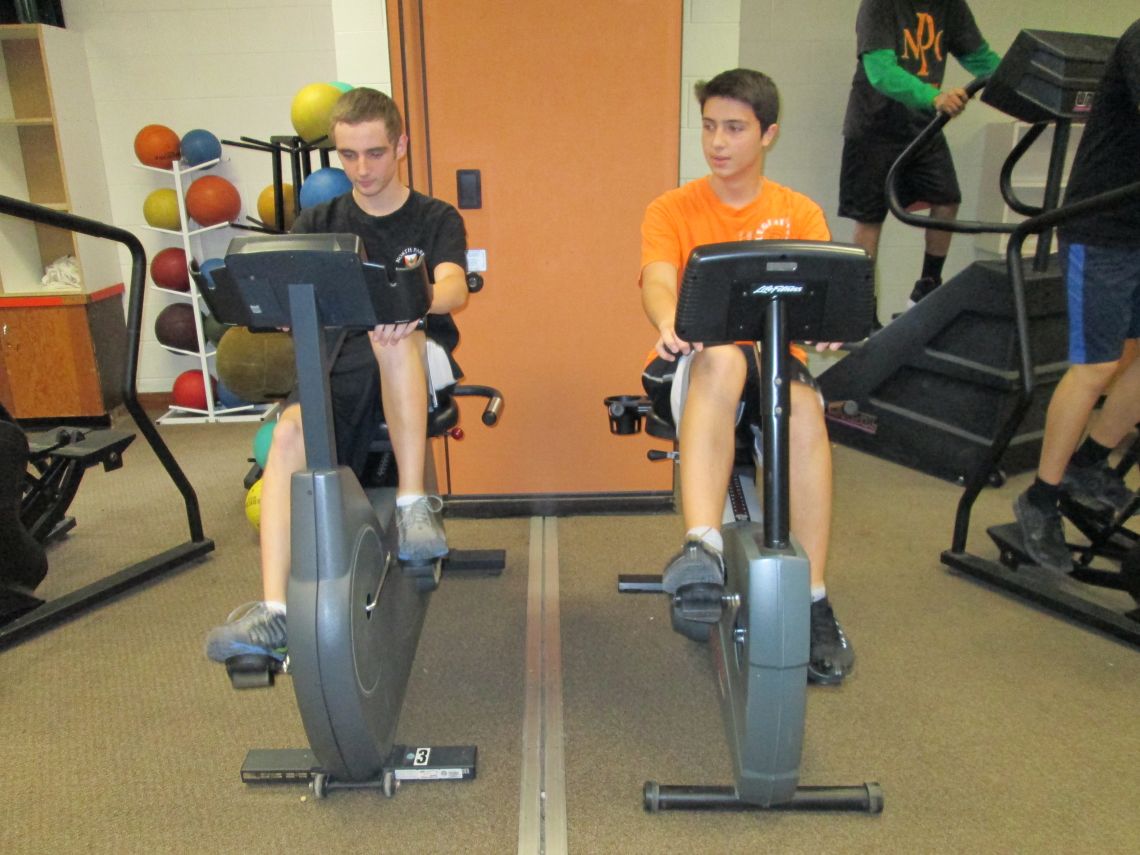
(190, 390)
(168, 269)
(212, 199)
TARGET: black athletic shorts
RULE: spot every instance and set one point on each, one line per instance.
(863, 177)
(357, 410)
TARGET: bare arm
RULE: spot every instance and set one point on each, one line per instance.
(659, 299)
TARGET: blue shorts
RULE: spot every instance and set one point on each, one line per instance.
(1103, 287)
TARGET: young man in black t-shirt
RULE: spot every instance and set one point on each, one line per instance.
(902, 50)
(1100, 258)
(378, 374)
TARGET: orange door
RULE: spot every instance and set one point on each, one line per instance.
(570, 113)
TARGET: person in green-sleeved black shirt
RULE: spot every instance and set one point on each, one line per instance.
(902, 50)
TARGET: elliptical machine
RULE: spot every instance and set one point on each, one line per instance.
(758, 625)
(355, 612)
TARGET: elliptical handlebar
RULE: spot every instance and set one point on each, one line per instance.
(903, 161)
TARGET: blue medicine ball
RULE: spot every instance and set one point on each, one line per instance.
(199, 146)
(227, 398)
(324, 184)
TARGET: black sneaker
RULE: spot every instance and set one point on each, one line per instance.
(695, 564)
(922, 288)
(1097, 484)
(831, 657)
(1043, 535)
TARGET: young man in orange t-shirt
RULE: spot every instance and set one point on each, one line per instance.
(707, 389)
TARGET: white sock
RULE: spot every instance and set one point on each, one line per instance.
(818, 592)
(275, 606)
(710, 537)
(408, 499)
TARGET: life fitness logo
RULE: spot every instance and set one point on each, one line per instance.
(924, 38)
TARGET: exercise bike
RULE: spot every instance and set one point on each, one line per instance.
(758, 624)
(355, 612)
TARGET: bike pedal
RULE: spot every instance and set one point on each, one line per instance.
(252, 671)
(701, 602)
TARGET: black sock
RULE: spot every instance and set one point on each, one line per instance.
(932, 267)
(1091, 453)
(1043, 495)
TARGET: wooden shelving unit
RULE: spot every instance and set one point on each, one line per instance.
(50, 154)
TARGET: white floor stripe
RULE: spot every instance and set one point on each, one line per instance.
(542, 800)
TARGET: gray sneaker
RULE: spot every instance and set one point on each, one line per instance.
(419, 527)
(695, 564)
(1043, 535)
(250, 630)
(1099, 484)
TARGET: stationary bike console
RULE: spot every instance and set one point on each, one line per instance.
(766, 292)
(355, 612)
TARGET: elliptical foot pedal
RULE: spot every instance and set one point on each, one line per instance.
(1011, 545)
(253, 670)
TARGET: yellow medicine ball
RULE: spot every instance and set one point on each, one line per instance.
(253, 504)
(161, 210)
(311, 108)
(267, 211)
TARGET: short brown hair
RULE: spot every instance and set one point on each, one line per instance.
(754, 88)
(367, 105)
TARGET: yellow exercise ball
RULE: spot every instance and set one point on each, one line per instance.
(161, 210)
(311, 108)
(253, 504)
(267, 211)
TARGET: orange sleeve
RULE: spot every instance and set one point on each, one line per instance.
(660, 236)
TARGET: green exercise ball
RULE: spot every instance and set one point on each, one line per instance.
(261, 442)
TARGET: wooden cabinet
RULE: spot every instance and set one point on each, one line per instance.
(62, 356)
(60, 349)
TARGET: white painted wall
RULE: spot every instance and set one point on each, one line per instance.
(232, 66)
(229, 66)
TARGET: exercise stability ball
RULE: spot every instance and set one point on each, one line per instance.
(258, 367)
(200, 146)
(324, 184)
(160, 210)
(168, 269)
(311, 108)
(157, 145)
(212, 199)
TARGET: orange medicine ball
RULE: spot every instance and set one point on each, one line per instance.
(158, 146)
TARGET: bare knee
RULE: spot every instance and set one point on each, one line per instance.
(719, 371)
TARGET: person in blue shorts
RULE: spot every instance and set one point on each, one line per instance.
(1100, 259)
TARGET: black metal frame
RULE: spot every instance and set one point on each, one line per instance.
(1042, 220)
(53, 612)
